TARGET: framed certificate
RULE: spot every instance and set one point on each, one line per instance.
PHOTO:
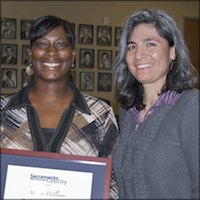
(44, 175)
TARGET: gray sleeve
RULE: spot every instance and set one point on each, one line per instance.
(190, 141)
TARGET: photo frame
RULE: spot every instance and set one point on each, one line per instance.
(8, 28)
(26, 49)
(44, 175)
(9, 78)
(26, 25)
(86, 58)
(9, 54)
(85, 34)
(104, 35)
(87, 81)
(25, 78)
(104, 59)
(118, 31)
(104, 82)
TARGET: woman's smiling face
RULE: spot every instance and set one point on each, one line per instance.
(148, 55)
(52, 55)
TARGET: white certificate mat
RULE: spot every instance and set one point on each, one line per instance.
(47, 183)
(45, 175)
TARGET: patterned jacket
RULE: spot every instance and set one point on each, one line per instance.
(88, 127)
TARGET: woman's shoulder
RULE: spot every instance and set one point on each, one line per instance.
(92, 100)
(192, 91)
(191, 94)
(97, 104)
(100, 107)
(124, 112)
(188, 101)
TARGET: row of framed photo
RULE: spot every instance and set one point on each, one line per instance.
(86, 83)
(85, 32)
(86, 56)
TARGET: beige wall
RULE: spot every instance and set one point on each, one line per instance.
(89, 12)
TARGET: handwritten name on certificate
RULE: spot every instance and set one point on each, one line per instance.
(43, 183)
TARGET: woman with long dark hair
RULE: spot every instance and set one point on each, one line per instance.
(158, 153)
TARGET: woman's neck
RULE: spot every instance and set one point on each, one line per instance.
(50, 92)
(150, 99)
(151, 93)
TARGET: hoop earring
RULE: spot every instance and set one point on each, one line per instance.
(29, 70)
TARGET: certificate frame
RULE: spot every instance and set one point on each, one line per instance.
(98, 166)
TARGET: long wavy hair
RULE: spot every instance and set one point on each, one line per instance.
(182, 76)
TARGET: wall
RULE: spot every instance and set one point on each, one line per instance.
(89, 12)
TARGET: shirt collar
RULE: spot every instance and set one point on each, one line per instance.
(170, 97)
(21, 99)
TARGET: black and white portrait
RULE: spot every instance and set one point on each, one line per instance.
(26, 59)
(87, 81)
(86, 59)
(104, 59)
(104, 35)
(104, 81)
(9, 78)
(8, 28)
(85, 34)
(26, 25)
(9, 54)
(118, 31)
(25, 78)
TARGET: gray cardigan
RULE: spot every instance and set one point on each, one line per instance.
(159, 159)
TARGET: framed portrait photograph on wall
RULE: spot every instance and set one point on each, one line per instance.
(104, 59)
(104, 35)
(26, 25)
(9, 54)
(104, 82)
(87, 81)
(118, 31)
(25, 78)
(85, 34)
(26, 59)
(86, 58)
(8, 28)
(9, 78)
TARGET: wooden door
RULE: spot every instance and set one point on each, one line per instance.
(191, 33)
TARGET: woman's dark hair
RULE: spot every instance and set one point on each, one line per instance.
(45, 24)
(182, 76)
